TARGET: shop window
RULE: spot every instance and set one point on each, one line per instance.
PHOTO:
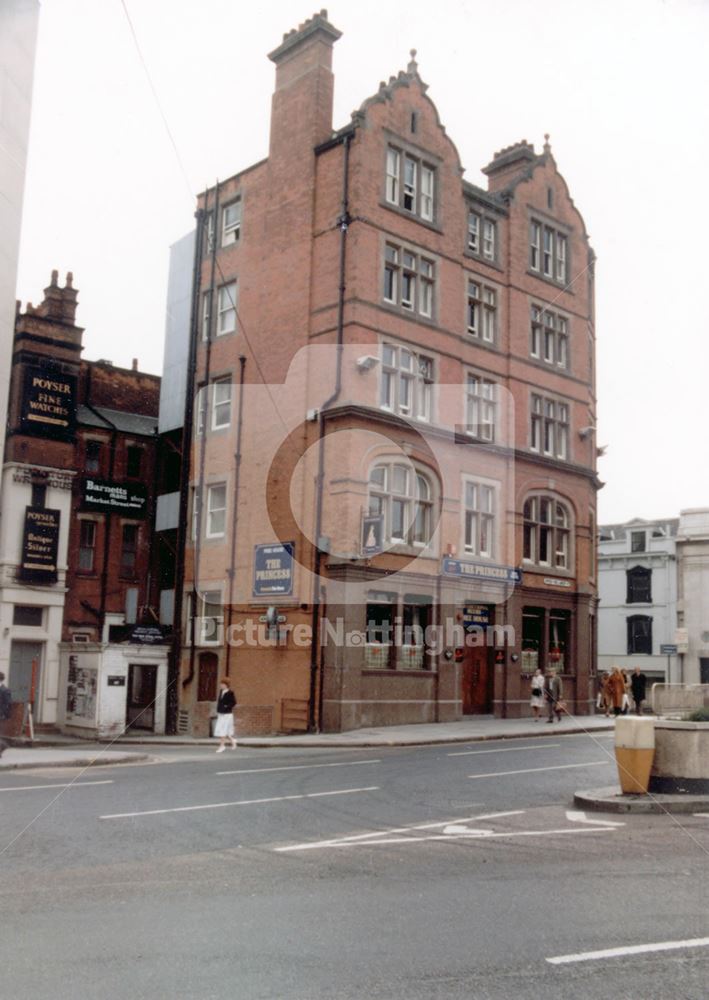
(381, 613)
(559, 632)
(416, 619)
(207, 677)
(532, 639)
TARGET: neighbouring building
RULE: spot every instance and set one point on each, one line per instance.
(388, 488)
(637, 589)
(76, 529)
(692, 635)
(19, 21)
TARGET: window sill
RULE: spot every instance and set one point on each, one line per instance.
(479, 259)
(411, 216)
(560, 286)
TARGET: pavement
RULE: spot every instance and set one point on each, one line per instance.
(57, 750)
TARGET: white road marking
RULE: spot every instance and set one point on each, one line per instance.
(300, 767)
(240, 802)
(703, 815)
(472, 835)
(578, 816)
(398, 829)
(468, 753)
(528, 770)
(69, 784)
(635, 949)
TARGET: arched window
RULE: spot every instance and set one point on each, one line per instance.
(403, 497)
(639, 585)
(639, 634)
(547, 531)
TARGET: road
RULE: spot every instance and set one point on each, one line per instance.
(459, 871)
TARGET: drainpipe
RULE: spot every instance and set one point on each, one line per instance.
(107, 515)
(188, 422)
(199, 494)
(235, 509)
(343, 224)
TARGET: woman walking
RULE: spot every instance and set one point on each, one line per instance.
(537, 693)
(616, 690)
(224, 727)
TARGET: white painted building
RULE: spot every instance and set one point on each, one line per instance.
(693, 593)
(18, 37)
(637, 588)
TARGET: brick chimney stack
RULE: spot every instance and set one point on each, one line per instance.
(508, 164)
(301, 109)
(59, 303)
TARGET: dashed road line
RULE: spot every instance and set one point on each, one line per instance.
(240, 802)
(468, 753)
(635, 949)
(529, 770)
(299, 767)
(69, 784)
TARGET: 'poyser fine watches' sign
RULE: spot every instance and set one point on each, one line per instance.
(115, 498)
(273, 569)
(48, 403)
(40, 545)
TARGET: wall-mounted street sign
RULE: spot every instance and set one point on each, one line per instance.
(115, 498)
(372, 534)
(40, 545)
(668, 649)
(48, 403)
(273, 569)
(480, 571)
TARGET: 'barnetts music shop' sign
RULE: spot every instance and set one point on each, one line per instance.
(40, 545)
(48, 403)
(115, 498)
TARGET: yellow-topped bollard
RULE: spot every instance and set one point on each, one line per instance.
(634, 751)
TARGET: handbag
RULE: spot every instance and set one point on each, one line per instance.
(536, 692)
(561, 706)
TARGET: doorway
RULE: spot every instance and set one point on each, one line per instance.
(140, 703)
(477, 678)
(22, 655)
(704, 670)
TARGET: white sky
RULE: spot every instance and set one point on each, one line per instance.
(621, 85)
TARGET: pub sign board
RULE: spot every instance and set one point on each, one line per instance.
(273, 569)
(40, 545)
(48, 403)
(130, 499)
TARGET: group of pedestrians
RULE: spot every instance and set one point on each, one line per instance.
(547, 692)
(617, 688)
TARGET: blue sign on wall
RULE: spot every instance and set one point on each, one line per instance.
(273, 569)
(481, 571)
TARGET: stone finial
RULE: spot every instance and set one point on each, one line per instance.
(547, 147)
(413, 65)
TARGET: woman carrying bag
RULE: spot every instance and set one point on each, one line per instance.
(537, 693)
(224, 727)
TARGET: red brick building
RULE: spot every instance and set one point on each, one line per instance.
(76, 528)
(393, 519)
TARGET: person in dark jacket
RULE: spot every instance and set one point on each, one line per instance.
(553, 692)
(224, 727)
(638, 686)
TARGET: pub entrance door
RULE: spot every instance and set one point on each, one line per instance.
(478, 678)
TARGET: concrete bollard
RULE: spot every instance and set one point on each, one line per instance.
(634, 751)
